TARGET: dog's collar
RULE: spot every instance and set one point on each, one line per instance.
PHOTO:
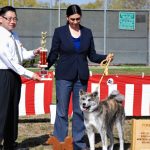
(95, 109)
(101, 109)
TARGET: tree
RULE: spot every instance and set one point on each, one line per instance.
(3, 3)
(129, 4)
(97, 4)
(112, 4)
(23, 3)
(26, 3)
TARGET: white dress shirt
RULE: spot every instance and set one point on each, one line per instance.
(8, 55)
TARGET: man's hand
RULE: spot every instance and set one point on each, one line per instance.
(37, 51)
(36, 77)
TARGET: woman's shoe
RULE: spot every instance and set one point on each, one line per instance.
(1, 147)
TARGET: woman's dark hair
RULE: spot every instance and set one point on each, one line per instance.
(73, 9)
(5, 9)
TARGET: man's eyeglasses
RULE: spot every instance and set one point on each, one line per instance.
(15, 19)
(73, 19)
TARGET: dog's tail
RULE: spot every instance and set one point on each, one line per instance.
(116, 95)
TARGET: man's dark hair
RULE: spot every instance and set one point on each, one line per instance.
(5, 9)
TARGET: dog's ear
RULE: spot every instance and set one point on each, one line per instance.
(81, 92)
(95, 94)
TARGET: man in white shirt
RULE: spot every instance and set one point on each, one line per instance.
(12, 53)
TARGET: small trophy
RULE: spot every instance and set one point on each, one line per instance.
(43, 56)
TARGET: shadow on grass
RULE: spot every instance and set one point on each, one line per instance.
(37, 141)
(116, 147)
(32, 120)
(98, 140)
(33, 142)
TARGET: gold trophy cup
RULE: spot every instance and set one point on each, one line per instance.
(43, 56)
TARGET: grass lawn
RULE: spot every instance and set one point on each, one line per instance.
(127, 70)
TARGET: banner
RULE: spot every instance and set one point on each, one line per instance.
(136, 90)
(36, 96)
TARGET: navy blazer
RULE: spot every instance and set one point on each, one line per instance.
(70, 63)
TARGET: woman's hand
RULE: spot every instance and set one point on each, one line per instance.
(110, 57)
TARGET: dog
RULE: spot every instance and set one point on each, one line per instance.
(101, 116)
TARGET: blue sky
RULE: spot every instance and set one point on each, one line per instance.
(71, 1)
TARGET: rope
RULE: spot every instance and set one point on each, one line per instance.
(105, 63)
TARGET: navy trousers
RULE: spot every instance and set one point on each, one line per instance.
(64, 89)
(10, 89)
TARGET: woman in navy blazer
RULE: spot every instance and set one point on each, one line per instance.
(71, 45)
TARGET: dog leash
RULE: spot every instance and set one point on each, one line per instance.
(105, 63)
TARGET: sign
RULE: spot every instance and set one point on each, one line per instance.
(127, 20)
(141, 134)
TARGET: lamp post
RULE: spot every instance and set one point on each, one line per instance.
(12, 3)
(105, 23)
(58, 13)
(50, 16)
(9, 2)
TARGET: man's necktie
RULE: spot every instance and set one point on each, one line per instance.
(17, 51)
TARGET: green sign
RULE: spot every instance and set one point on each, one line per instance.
(127, 20)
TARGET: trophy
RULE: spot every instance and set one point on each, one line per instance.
(43, 56)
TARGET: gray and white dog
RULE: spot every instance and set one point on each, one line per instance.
(100, 117)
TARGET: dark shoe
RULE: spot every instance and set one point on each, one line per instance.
(1, 147)
(10, 146)
(22, 149)
(86, 149)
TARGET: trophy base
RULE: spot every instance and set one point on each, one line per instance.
(45, 79)
(44, 75)
(43, 66)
